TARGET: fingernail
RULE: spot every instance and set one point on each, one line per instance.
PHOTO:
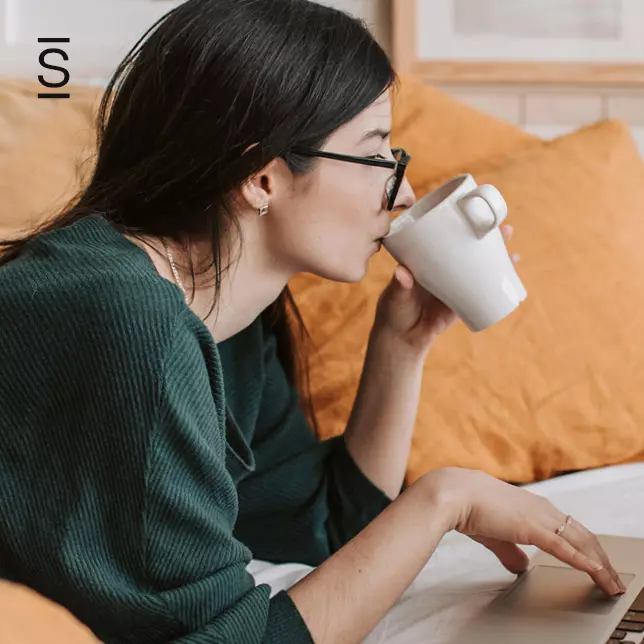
(516, 257)
(621, 585)
(509, 228)
(595, 566)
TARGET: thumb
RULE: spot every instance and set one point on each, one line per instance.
(510, 555)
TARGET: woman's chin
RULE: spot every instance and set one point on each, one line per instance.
(359, 273)
(347, 274)
(348, 269)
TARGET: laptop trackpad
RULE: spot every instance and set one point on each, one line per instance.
(550, 588)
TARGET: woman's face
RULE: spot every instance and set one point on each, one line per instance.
(329, 221)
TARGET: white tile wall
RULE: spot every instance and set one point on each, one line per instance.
(552, 131)
(504, 105)
(552, 111)
(562, 108)
(627, 107)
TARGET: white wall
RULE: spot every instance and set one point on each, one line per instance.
(377, 14)
(552, 111)
(542, 109)
(102, 31)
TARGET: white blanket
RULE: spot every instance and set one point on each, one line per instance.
(462, 577)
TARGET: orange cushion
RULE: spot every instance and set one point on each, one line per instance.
(42, 146)
(555, 386)
(445, 136)
(28, 618)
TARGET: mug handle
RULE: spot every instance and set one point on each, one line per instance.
(484, 208)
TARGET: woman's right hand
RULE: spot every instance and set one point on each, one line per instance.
(500, 516)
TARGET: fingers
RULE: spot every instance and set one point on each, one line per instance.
(587, 542)
(561, 548)
(558, 547)
(507, 232)
(511, 556)
(404, 277)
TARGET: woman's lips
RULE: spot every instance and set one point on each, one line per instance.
(384, 234)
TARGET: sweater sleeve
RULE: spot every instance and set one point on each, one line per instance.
(194, 565)
(314, 497)
(115, 497)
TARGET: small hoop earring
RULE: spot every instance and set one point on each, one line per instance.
(263, 211)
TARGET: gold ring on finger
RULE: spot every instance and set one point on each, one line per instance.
(564, 525)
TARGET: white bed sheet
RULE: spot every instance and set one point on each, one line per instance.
(462, 577)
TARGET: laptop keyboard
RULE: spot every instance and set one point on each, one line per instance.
(631, 628)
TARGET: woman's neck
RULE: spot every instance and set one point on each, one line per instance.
(251, 281)
(247, 288)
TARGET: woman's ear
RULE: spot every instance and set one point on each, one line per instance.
(260, 189)
(265, 186)
(256, 191)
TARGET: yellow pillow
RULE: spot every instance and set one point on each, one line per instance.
(445, 136)
(43, 143)
(554, 387)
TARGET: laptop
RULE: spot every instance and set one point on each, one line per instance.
(552, 603)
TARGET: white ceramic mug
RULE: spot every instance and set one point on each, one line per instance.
(451, 242)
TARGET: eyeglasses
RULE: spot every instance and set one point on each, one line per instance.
(399, 165)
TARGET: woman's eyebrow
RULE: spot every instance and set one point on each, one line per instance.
(372, 134)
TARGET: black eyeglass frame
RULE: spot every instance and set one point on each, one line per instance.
(400, 166)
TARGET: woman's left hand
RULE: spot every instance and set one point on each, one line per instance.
(412, 314)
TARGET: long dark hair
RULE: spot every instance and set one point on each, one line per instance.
(209, 95)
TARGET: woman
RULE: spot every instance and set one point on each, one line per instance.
(153, 440)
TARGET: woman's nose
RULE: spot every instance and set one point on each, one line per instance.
(406, 197)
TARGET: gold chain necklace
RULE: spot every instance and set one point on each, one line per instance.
(173, 267)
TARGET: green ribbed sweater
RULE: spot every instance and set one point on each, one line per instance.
(142, 465)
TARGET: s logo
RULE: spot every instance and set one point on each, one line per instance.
(47, 64)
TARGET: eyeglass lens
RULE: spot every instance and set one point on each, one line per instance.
(391, 183)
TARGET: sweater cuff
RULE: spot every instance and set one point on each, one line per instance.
(354, 501)
(365, 491)
(285, 623)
